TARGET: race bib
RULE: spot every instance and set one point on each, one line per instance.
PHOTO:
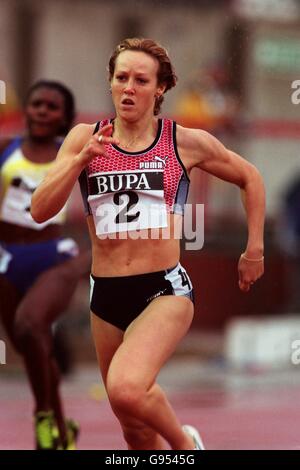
(127, 201)
(16, 204)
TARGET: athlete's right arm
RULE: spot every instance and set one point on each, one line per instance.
(77, 150)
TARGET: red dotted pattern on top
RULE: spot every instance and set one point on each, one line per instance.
(118, 161)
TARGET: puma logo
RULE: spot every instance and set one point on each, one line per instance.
(162, 160)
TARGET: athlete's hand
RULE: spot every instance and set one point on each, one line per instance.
(249, 272)
(96, 145)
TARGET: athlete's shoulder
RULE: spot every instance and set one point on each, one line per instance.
(7, 147)
(4, 143)
(191, 138)
(76, 139)
(78, 136)
(82, 129)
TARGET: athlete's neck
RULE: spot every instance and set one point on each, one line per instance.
(135, 134)
(39, 150)
(39, 140)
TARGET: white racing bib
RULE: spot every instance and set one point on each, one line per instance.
(16, 204)
(127, 201)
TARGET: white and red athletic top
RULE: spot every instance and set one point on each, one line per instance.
(127, 191)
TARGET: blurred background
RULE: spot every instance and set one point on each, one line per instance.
(236, 61)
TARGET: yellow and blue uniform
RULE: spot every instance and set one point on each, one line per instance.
(19, 177)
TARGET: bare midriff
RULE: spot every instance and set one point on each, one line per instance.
(157, 251)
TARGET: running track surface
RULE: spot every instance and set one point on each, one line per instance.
(232, 410)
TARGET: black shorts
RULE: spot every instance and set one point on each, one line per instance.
(119, 300)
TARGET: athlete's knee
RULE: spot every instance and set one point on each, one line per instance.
(125, 395)
(28, 329)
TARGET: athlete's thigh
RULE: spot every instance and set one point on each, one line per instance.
(49, 295)
(151, 338)
(107, 339)
(9, 300)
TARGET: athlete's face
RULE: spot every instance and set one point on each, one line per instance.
(134, 84)
(45, 112)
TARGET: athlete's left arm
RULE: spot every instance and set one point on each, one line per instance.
(210, 155)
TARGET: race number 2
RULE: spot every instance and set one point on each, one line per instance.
(120, 200)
